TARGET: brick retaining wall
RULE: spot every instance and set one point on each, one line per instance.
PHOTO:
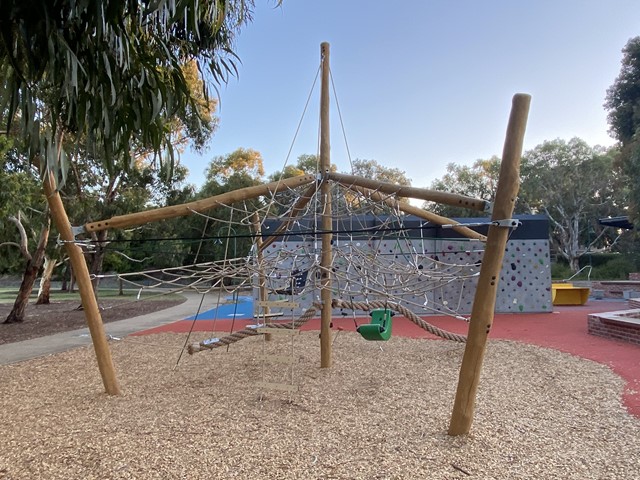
(616, 288)
(616, 325)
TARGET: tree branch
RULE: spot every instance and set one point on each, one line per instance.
(24, 241)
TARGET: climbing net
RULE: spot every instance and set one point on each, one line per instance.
(379, 254)
(271, 246)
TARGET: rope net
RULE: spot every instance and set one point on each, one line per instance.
(270, 248)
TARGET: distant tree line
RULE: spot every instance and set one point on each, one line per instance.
(573, 184)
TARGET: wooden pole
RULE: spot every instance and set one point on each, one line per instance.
(418, 212)
(446, 198)
(87, 296)
(262, 281)
(327, 220)
(485, 297)
(154, 215)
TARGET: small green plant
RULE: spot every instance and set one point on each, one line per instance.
(560, 271)
(617, 268)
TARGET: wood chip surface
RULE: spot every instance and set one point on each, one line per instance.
(377, 414)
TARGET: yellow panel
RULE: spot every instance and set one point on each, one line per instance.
(567, 294)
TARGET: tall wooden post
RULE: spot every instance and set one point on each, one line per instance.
(87, 295)
(262, 281)
(485, 297)
(327, 220)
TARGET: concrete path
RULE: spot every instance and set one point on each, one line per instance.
(60, 342)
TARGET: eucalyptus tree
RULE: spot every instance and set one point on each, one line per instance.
(372, 169)
(573, 184)
(97, 192)
(110, 74)
(623, 104)
(227, 231)
(22, 208)
(24, 224)
(570, 182)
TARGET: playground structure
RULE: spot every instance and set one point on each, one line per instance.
(362, 191)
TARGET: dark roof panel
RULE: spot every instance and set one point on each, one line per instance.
(617, 222)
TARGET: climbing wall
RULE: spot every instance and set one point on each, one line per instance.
(429, 274)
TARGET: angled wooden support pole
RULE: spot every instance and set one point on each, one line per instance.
(485, 297)
(87, 295)
(185, 209)
(418, 212)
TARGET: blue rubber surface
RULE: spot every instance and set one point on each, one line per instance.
(241, 308)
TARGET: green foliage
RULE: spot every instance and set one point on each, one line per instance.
(604, 266)
(224, 232)
(623, 105)
(616, 268)
(574, 185)
(152, 246)
(244, 165)
(112, 72)
(373, 170)
(20, 194)
(306, 164)
(623, 97)
(560, 270)
(612, 266)
(478, 181)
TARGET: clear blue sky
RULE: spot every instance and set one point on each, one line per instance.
(421, 83)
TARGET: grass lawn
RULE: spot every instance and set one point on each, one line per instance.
(8, 295)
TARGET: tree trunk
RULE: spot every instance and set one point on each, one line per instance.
(45, 281)
(97, 259)
(22, 300)
(28, 279)
(574, 264)
(65, 280)
(68, 281)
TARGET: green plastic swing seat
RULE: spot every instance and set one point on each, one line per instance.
(380, 327)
